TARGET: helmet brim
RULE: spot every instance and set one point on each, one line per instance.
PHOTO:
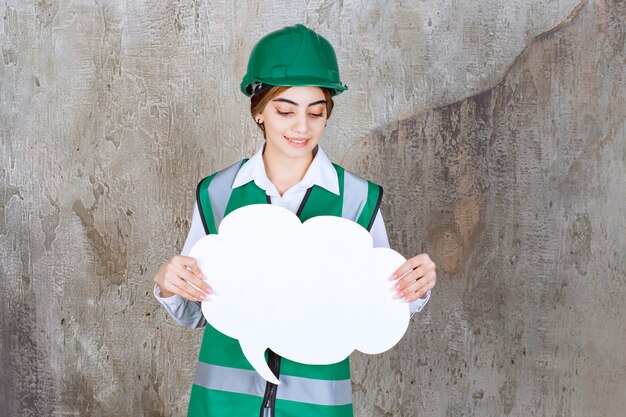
(246, 85)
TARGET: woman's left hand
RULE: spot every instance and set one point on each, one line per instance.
(415, 278)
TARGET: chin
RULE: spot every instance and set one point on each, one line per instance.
(299, 153)
(296, 151)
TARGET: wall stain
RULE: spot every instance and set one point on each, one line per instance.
(507, 396)
(577, 246)
(7, 193)
(108, 66)
(24, 363)
(178, 18)
(379, 411)
(182, 226)
(50, 223)
(46, 12)
(111, 260)
(78, 394)
(10, 45)
(327, 9)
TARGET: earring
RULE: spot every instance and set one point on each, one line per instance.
(260, 124)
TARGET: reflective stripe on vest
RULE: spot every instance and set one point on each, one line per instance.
(357, 204)
(220, 190)
(292, 388)
(354, 188)
(213, 193)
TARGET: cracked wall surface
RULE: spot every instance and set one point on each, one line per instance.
(496, 129)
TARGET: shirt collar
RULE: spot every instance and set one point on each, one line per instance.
(321, 172)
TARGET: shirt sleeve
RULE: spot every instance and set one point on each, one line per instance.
(379, 236)
(185, 312)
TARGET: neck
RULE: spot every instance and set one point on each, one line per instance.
(285, 172)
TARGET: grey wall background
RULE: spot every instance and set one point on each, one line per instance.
(497, 129)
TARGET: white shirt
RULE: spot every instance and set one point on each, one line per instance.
(321, 172)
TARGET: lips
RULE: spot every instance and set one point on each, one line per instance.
(297, 142)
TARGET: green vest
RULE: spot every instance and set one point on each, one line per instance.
(226, 385)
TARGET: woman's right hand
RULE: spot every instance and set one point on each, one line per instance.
(176, 277)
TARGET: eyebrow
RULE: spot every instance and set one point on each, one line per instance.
(284, 100)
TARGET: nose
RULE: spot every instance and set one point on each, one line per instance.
(301, 124)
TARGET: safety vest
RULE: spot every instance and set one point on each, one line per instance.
(226, 385)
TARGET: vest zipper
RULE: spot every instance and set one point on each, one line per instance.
(269, 399)
(273, 360)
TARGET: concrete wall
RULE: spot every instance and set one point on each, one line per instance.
(497, 129)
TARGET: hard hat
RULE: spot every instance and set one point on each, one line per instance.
(294, 56)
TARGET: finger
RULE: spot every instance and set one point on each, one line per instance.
(401, 272)
(191, 264)
(410, 277)
(411, 289)
(421, 293)
(409, 265)
(420, 288)
(416, 296)
(187, 277)
(190, 291)
(195, 269)
(418, 285)
(197, 295)
(194, 279)
(173, 287)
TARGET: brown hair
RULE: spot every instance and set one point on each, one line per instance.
(259, 101)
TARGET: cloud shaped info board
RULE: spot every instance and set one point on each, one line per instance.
(312, 292)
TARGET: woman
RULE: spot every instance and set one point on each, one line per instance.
(292, 77)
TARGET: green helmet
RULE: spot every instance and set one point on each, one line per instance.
(294, 56)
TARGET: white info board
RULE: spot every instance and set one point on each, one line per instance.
(312, 292)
